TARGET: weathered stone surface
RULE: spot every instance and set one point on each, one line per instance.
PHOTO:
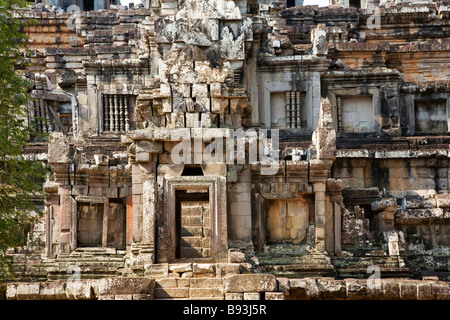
(223, 269)
(117, 89)
(205, 293)
(27, 291)
(250, 283)
(252, 296)
(303, 289)
(171, 293)
(236, 256)
(82, 289)
(331, 289)
(383, 204)
(274, 296)
(58, 149)
(116, 286)
(186, 267)
(206, 283)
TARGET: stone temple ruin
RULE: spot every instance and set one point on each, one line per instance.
(356, 96)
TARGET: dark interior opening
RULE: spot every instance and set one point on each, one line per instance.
(290, 3)
(192, 170)
(88, 5)
(355, 4)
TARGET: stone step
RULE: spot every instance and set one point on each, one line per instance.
(385, 272)
(65, 276)
(86, 259)
(293, 259)
(285, 249)
(95, 256)
(298, 270)
(82, 265)
(97, 250)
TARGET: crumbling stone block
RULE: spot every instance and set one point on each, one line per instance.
(252, 296)
(250, 283)
(126, 286)
(274, 296)
(234, 296)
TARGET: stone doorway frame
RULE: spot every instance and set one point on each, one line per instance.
(216, 186)
(80, 200)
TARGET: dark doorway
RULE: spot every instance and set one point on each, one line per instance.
(88, 5)
(192, 224)
(355, 4)
(116, 224)
(290, 3)
(90, 225)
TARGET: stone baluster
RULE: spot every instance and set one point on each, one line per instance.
(47, 117)
(44, 116)
(127, 121)
(288, 109)
(106, 113)
(111, 113)
(121, 112)
(39, 115)
(116, 113)
(293, 110)
(339, 110)
(297, 107)
(36, 115)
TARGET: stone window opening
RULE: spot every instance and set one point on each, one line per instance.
(355, 114)
(235, 79)
(49, 116)
(293, 3)
(288, 110)
(40, 116)
(237, 76)
(116, 112)
(295, 113)
(84, 5)
(101, 224)
(430, 116)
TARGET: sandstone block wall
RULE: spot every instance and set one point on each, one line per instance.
(362, 168)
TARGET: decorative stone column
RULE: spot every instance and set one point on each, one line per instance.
(324, 147)
(333, 239)
(319, 214)
(146, 152)
(58, 158)
(147, 251)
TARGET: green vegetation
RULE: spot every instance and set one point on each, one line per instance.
(18, 176)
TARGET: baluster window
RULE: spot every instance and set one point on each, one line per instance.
(115, 112)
